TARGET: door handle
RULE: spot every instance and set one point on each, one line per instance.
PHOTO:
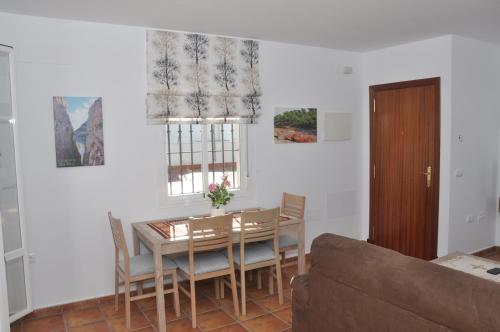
(428, 176)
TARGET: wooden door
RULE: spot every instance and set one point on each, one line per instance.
(404, 156)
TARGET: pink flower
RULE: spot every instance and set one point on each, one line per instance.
(212, 187)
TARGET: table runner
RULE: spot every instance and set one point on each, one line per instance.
(178, 228)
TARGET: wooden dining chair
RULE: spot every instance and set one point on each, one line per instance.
(251, 254)
(210, 256)
(291, 206)
(136, 269)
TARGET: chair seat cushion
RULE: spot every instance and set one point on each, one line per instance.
(254, 253)
(204, 262)
(144, 264)
(285, 241)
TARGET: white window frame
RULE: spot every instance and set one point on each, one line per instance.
(200, 198)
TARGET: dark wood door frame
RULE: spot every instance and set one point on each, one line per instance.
(436, 82)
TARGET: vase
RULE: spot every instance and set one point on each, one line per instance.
(215, 212)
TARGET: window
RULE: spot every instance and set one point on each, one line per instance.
(199, 154)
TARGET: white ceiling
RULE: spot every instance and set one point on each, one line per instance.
(358, 25)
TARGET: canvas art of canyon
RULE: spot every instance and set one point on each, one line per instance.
(78, 130)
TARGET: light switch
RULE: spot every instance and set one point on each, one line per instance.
(459, 173)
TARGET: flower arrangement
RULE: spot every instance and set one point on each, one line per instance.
(219, 193)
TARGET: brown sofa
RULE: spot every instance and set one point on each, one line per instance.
(356, 286)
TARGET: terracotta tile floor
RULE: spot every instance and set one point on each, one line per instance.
(264, 313)
(493, 256)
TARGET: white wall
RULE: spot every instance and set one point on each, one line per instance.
(66, 208)
(424, 59)
(475, 88)
(327, 172)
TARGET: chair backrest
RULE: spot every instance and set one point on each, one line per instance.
(118, 236)
(293, 205)
(257, 226)
(210, 234)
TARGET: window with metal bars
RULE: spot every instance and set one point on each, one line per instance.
(199, 154)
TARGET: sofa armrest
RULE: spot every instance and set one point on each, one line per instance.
(300, 296)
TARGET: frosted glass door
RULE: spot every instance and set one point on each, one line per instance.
(14, 249)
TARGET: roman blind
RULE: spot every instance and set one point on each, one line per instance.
(197, 78)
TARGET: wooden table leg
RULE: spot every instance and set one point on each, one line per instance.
(301, 249)
(160, 300)
(137, 251)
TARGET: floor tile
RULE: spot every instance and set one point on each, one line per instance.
(182, 325)
(213, 319)
(94, 327)
(271, 302)
(169, 298)
(253, 310)
(148, 303)
(147, 329)
(47, 324)
(45, 312)
(16, 327)
(111, 299)
(206, 288)
(152, 315)
(267, 323)
(108, 309)
(137, 321)
(284, 314)
(255, 293)
(82, 317)
(226, 302)
(80, 305)
(230, 328)
(288, 293)
(203, 304)
(494, 256)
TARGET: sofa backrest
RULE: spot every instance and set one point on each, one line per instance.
(448, 298)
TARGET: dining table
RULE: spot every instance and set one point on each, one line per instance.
(170, 237)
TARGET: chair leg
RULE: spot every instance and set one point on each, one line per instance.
(117, 285)
(217, 288)
(175, 285)
(279, 281)
(243, 294)
(271, 281)
(127, 302)
(222, 286)
(193, 303)
(259, 279)
(234, 290)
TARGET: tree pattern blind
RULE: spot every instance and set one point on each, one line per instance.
(195, 78)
